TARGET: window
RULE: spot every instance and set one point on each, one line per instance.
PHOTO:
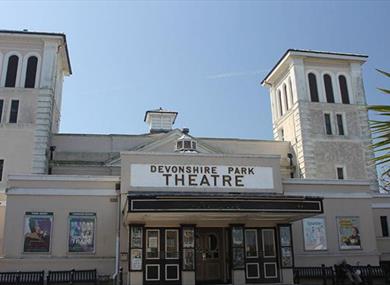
(251, 247)
(291, 91)
(343, 89)
(152, 244)
(313, 87)
(13, 116)
(171, 244)
(31, 72)
(281, 134)
(385, 226)
(328, 88)
(12, 70)
(1, 108)
(340, 124)
(285, 96)
(340, 173)
(280, 102)
(328, 124)
(1, 169)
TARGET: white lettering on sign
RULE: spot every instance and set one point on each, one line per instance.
(215, 176)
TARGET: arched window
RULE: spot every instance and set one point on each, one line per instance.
(12, 70)
(313, 87)
(343, 89)
(31, 72)
(280, 103)
(291, 91)
(285, 96)
(328, 88)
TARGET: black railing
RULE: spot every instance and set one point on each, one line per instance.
(336, 275)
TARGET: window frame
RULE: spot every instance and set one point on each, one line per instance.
(290, 87)
(344, 172)
(4, 66)
(2, 164)
(177, 244)
(347, 86)
(2, 113)
(384, 230)
(343, 124)
(25, 69)
(10, 111)
(279, 100)
(314, 98)
(285, 95)
(330, 123)
(329, 90)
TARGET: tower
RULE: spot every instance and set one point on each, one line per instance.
(32, 68)
(318, 104)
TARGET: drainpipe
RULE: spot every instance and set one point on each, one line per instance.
(118, 232)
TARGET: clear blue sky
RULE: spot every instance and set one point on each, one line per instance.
(202, 59)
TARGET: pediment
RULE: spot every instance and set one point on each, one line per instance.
(166, 144)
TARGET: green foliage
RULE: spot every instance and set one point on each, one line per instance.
(381, 129)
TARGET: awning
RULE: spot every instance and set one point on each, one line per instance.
(198, 206)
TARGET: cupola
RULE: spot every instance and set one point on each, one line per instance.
(160, 120)
(186, 144)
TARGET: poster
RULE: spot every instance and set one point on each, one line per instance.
(238, 236)
(238, 257)
(37, 231)
(314, 234)
(285, 236)
(349, 232)
(82, 232)
(287, 260)
(188, 238)
(136, 259)
(136, 237)
(188, 259)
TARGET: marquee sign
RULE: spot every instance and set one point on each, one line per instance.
(201, 176)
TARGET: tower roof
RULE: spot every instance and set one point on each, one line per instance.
(41, 35)
(313, 53)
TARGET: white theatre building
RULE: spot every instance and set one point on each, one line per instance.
(172, 208)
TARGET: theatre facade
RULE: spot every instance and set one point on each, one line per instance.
(172, 208)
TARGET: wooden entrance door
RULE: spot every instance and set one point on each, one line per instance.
(209, 256)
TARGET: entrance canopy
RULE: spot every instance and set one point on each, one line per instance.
(206, 208)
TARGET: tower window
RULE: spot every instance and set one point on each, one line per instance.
(385, 226)
(281, 134)
(340, 173)
(328, 88)
(1, 108)
(1, 169)
(280, 103)
(313, 87)
(343, 89)
(328, 124)
(291, 91)
(12, 70)
(340, 124)
(31, 72)
(285, 96)
(13, 116)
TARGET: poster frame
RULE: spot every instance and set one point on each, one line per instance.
(82, 214)
(37, 213)
(339, 236)
(304, 235)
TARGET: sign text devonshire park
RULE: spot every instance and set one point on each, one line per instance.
(204, 176)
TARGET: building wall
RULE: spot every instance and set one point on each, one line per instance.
(381, 207)
(105, 208)
(333, 208)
